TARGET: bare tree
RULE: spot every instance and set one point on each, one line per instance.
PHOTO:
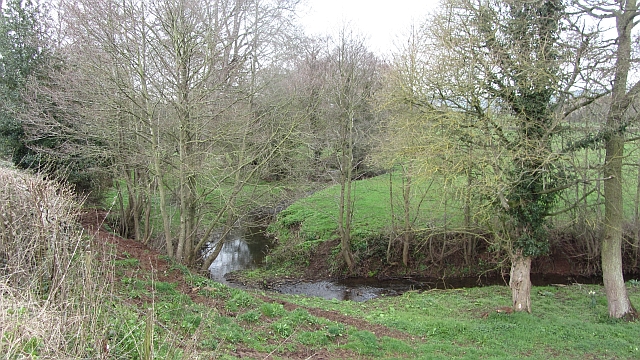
(623, 94)
(352, 73)
(180, 78)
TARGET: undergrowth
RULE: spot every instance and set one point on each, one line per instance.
(52, 275)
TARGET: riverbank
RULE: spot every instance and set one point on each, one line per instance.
(443, 242)
(197, 317)
(321, 263)
(314, 275)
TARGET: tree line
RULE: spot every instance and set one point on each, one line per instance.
(190, 110)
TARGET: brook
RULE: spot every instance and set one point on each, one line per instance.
(247, 248)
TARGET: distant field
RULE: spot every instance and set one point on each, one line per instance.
(442, 204)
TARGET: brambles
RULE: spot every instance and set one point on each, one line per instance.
(52, 279)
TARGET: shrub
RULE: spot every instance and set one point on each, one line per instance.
(52, 277)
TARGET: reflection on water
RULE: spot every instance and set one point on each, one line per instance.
(247, 247)
(335, 290)
(244, 249)
(359, 289)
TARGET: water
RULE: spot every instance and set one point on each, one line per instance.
(359, 289)
(352, 289)
(247, 248)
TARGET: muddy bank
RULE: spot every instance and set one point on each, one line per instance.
(460, 255)
(323, 275)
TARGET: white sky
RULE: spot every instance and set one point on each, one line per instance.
(381, 22)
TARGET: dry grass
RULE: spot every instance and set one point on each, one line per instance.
(52, 278)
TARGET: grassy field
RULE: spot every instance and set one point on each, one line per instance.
(314, 218)
(205, 319)
(567, 322)
(317, 214)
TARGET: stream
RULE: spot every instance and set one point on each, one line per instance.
(245, 249)
(248, 247)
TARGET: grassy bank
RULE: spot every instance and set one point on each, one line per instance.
(194, 317)
(175, 314)
(312, 221)
(316, 216)
(438, 222)
(114, 298)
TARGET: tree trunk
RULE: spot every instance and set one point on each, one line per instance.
(346, 182)
(213, 256)
(469, 245)
(166, 220)
(147, 221)
(406, 193)
(520, 282)
(636, 220)
(394, 231)
(186, 167)
(344, 220)
(611, 251)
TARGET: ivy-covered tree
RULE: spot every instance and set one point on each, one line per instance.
(525, 79)
(493, 84)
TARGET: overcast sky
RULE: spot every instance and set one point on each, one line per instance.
(380, 21)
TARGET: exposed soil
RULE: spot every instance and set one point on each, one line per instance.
(567, 258)
(149, 259)
(151, 262)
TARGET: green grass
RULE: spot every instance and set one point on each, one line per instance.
(463, 323)
(566, 323)
(314, 219)
(317, 214)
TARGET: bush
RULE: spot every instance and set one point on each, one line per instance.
(39, 233)
(52, 279)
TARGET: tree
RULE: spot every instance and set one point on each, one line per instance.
(617, 120)
(309, 88)
(179, 84)
(39, 128)
(352, 83)
(404, 81)
(490, 101)
(23, 54)
(527, 84)
(331, 86)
